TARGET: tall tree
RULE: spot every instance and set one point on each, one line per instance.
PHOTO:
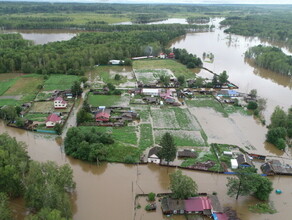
(47, 214)
(223, 77)
(76, 89)
(278, 118)
(5, 212)
(182, 186)
(168, 150)
(247, 182)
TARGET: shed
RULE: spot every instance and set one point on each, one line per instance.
(227, 153)
(244, 160)
(153, 155)
(154, 92)
(172, 206)
(234, 164)
(187, 154)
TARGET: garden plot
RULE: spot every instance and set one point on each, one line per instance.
(181, 137)
(164, 118)
(147, 76)
(48, 107)
(185, 120)
(60, 82)
(109, 100)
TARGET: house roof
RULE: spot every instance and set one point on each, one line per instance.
(104, 113)
(216, 206)
(244, 159)
(187, 153)
(154, 151)
(169, 204)
(53, 118)
(232, 92)
(150, 91)
(197, 204)
(59, 99)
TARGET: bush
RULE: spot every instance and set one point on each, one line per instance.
(281, 144)
(117, 92)
(130, 160)
(191, 65)
(275, 133)
(252, 105)
(151, 196)
(117, 77)
(58, 128)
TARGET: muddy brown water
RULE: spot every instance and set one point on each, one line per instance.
(107, 191)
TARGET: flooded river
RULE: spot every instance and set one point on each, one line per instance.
(107, 192)
(229, 50)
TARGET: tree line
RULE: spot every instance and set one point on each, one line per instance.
(271, 58)
(188, 59)
(280, 129)
(273, 26)
(79, 53)
(45, 187)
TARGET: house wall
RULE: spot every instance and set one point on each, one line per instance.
(50, 124)
(153, 160)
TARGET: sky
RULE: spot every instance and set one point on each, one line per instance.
(174, 1)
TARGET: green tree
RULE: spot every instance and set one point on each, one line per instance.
(168, 150)
(47, 214)
(13, 165)
(274, 134)
(128, 62)
(83, 116)
(86, 106)
(223, 77)
(8, 112)
(5, 212)
(215, 80)
(181, 80)
(252, 105)
(58, 128)
(83, 79)
(248, 182)
(46, 186)
(278, 118)
(76, 88)
(20, 122)
(182, 186)
(117, 77)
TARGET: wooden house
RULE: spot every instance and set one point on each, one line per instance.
(52, 120)
(153, 156)
(244, 160)
(186, 154)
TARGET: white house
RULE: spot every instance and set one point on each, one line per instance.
(151, 92)
(52, 120)
(153, 155)
(59, 103)
(116, 62)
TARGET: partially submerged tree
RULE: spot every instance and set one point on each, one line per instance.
(5, 211)
(168, 150)
(223, 77)
(182, 186)
(247, 182)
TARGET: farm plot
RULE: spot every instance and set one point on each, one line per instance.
(108, 100)
(185, 120)
(147, 76)
(106, 74)
(164, 118)
(60, 82)
(146, 137)
(47, 107)
(181, 137)
(5, 85)
(36, 117)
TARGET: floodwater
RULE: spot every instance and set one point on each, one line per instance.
(107, 191)
(45, 36)
(229, 50)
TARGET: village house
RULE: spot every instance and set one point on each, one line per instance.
(244, 160)
(116, 62)
(150, 100)
(150, 92)
(273, 167)
(171, 56)
(171, 206)
(153, 155)
(103, 115)
(52, 120)
(59, 103)
(162, 55)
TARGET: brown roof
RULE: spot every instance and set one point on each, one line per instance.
(154, 150)
(187, 153)
(243, 159)
(170, 205)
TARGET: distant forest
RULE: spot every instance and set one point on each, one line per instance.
(273, 26)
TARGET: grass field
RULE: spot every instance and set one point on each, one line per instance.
(125, 135)
(25, 85)
(9, 102)
(147, 76)
(146, 137)
(36, 117)
(6, 84)
(108, 100)
(59, 82)
(177, 68)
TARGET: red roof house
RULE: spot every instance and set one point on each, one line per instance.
(52, 120)
(171, 55)
(198, 205)
(59, 103)
(103, 115)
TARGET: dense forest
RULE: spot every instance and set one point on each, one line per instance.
(84, 50)
(271, 58)
(273, 26)
(44, 186)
